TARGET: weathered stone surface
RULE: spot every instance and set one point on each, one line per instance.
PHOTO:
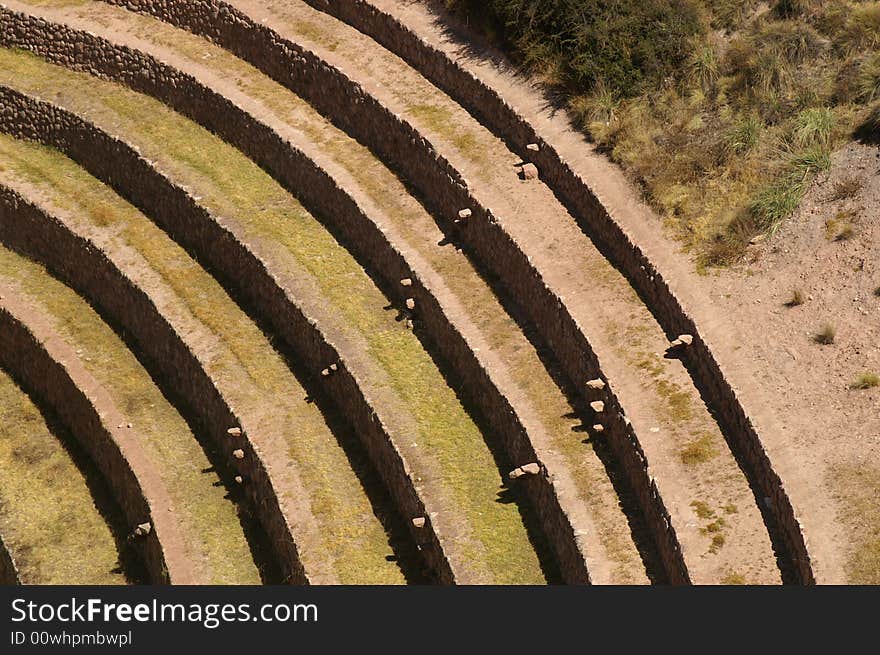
(529, 172)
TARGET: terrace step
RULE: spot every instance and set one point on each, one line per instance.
(190, 359)
(52, 371)
(51, 504)
(405, 242)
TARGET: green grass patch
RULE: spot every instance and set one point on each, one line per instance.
(233, 187)
(48, 516)
(699, 451)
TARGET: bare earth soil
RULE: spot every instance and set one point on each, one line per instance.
(822, 435)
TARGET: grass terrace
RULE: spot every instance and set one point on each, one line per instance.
(244, 358)
(48, 515)
(233, 187)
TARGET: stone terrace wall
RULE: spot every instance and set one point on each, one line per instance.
(8, 569)
(574, 192)
(39, 236)
(31, 363)
(330, 203)
(400, 145)
(118, 165)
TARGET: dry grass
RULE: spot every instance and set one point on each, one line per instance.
(856, 486)
(734, 578)
(796, 300)
(826, 335)
(699, 451)
(48, 518)
(866, 381)
(233, 186)
(845, 189)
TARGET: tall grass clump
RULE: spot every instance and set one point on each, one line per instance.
(720, 111)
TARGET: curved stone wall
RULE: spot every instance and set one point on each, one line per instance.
(41, 374)
(27, 229)
(358, 113)
(487, 105)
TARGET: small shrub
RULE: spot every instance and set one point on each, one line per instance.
(839, 227)
(846, 189)
(877, 292)
(826, 335)
(703, 67)
(796, 300)
(730, 508)
(866, 381)
(717, 543)
(597, 107)
(810, 161)
(868, 80)
(702, 509)
(775, 203)
(845, 233)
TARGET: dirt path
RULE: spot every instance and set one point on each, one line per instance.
(658, 394)
(469, 303)
(268, 398)
(777, 390)
(163, 515)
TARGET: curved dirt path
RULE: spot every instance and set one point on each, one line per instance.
(763, 388)
(470, 304)
(662, 404)
(162, 515)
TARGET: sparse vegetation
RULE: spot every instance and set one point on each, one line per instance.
(733, 578)
(825, 335)
(845, 233)
(846, 189)
(727, 130)
(796, 300)
(702, 509)
(840, 227)
(698, 451)
(866, 381)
